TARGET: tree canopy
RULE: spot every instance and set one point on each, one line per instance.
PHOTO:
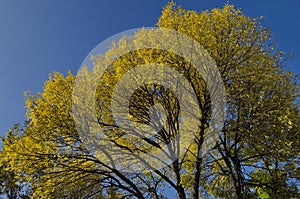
(255, 154)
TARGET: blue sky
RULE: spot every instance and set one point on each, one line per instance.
(38, 37)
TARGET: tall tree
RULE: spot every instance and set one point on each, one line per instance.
(256, 154)
(261, 113)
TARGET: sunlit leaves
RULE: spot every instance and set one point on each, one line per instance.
(256, 156)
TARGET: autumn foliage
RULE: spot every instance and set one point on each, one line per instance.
(255, 156)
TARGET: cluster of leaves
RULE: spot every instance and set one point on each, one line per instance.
(256, 155)
(12, 183)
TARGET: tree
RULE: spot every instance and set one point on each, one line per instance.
(256, 154)
(259, 92)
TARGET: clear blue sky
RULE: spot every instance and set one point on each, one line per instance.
(38, 37)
